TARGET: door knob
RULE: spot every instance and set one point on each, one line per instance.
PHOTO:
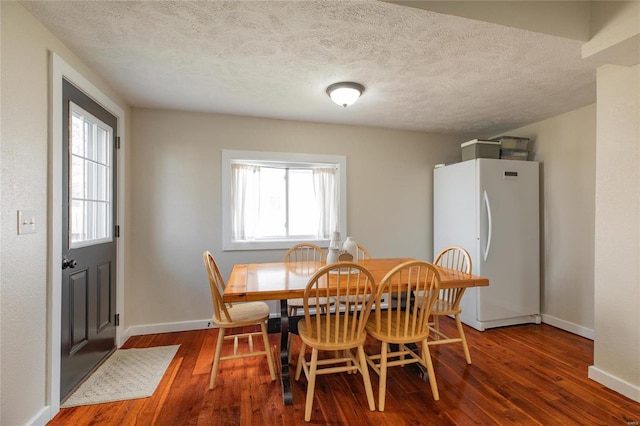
(68, 263)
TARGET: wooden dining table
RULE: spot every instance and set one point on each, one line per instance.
(288, 280)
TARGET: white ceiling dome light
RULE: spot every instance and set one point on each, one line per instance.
(345, 93)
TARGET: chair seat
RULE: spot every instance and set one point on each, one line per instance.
(444, 307)
(328, 337)
(245, 314)
(397, 334)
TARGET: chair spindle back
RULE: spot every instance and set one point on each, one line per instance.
(458, 259)
(216, 284)
(414, 285)
(336, 280)
(305, 252)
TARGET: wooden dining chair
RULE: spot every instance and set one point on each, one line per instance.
(448, 302)
(335, 333)
(227, 317)
(301, 254)
(305, 252)
(363, 253)
(403, 324)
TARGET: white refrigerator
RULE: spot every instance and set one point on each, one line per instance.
(491, 208)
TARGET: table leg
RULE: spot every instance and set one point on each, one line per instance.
(287, 395)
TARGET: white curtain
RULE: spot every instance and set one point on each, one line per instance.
(245, 200)
(326, 194)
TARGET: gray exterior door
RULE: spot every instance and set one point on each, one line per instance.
(88, 237)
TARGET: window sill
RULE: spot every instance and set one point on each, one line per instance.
(271, 244)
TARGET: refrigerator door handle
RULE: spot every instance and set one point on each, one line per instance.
(488, 206)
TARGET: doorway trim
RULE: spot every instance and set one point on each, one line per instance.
(58, 70)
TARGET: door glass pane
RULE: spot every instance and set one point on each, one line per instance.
(90, 180)
(102, 183)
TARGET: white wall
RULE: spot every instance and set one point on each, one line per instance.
(176, 198)
(24, 186)
(615, 46)
(24, 181)
(617, 256)
(565, 146)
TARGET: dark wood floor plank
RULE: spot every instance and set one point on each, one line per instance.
(152, 410)
(526, 375)
(205, 355)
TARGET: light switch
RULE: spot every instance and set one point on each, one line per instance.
(26, 222)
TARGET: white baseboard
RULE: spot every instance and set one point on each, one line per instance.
(614, 383)
(167, 327)
(569, 326)
(42, 418)
(171, 327)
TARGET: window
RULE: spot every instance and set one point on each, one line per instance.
(273, 200)
(90, 206)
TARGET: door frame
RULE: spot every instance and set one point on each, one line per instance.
(58, 70)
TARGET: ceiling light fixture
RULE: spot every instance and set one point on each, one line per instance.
(345, 93)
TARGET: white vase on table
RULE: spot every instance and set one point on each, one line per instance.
(335, 241)
(351, 247)
(332, 257)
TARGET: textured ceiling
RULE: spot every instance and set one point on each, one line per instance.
(422, 70)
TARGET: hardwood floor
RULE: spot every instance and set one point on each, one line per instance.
(522, 375)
